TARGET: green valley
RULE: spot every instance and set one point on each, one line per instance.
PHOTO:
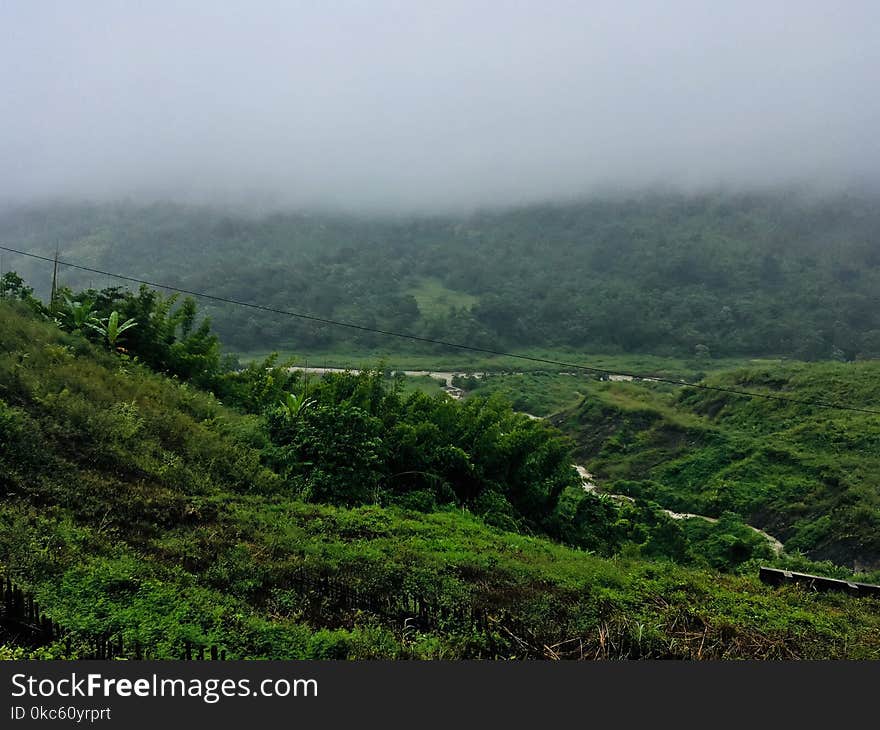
(155, 493)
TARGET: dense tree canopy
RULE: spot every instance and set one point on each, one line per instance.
(712, 274)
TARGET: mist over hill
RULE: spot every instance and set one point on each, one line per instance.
(781, 272)
(460, 172)
(432, 106)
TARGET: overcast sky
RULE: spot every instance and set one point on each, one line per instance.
(425, 104)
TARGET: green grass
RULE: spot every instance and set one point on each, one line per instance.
(137, 504)
(229, 581)
(545, 392)
(435, 299)
(805, 474)
(421, 384)
(539, 393)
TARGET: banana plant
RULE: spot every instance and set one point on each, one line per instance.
(78, 315)
(111, 329)
(295, 404)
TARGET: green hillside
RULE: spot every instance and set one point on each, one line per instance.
(724, 274)
(808, 475)
(135, 502)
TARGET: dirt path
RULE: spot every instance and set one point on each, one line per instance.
(446, 377)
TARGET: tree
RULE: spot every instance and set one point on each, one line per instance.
(331, 453)
(12, 286)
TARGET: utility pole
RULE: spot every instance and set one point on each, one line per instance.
(54, 281)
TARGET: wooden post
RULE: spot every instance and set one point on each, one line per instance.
(54, 281)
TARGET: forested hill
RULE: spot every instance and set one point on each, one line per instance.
(729, 274)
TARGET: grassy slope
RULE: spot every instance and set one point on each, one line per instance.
(806, 474)
(435, 299)
(132, 502)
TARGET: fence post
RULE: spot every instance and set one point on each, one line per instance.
(48, 629)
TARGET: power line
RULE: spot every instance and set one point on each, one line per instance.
(444, 343)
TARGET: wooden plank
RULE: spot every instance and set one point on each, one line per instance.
(777, 577)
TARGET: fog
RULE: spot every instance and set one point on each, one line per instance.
(431, 105)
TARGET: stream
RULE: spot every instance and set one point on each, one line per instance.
(589, 483)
